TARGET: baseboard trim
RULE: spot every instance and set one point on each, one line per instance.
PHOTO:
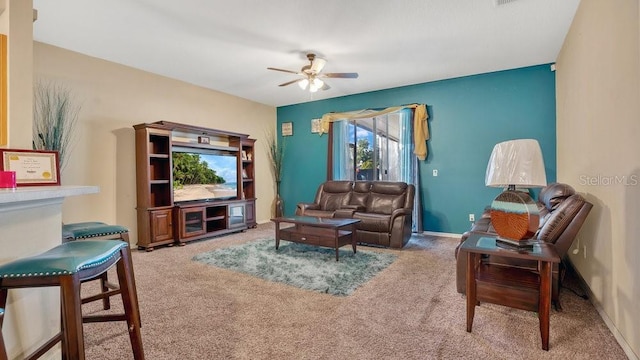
(607, 320)
(442, 234)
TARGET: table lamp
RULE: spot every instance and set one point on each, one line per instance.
(515, 164)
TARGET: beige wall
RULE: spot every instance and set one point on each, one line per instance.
(16, 23)
(598, 129)
(113, 98)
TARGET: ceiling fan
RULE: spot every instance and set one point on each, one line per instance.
(312, 75)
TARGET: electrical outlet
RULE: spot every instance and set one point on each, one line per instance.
(472, 217)
(435, 172)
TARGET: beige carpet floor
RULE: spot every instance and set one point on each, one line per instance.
(410, 310)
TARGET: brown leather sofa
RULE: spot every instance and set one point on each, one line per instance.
(562, 213)
(384, 208)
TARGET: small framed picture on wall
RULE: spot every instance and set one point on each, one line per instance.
(315, 126)
(287, 129)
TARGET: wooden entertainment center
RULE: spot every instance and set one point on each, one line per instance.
(160, 220)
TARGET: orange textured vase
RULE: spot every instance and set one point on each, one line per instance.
(514, 215)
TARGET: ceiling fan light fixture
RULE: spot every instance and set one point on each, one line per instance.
(317, 83)
(311, 74)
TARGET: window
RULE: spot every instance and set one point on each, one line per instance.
(376, 148)
(371, 148)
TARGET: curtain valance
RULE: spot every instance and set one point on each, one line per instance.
(420, 128)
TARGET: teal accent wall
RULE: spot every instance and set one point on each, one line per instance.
(467, 117)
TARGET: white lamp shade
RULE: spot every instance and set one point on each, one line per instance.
(516, 162)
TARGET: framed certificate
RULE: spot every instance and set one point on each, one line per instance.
(32, 167)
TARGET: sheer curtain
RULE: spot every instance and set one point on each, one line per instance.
(341, 154)
(408, 166)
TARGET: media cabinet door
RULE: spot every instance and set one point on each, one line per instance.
(250, 213)
(236, 216)
(192, 222)
(161, 225)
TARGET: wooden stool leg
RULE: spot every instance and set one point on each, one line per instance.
(104, 287)
(63, 324)
(125, 238)
(127, 291)
(72, 313)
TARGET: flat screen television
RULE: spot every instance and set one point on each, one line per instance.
(202, 174)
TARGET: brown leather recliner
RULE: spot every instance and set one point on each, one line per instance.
(562, 213)
(384, 209)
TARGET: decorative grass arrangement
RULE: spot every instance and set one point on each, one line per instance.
(305, 266)
(54, 119)
(275, 150)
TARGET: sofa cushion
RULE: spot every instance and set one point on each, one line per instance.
(331, 201)
(384, 204)
(553, 194)
(337, 186)
(334, 194)
(372, 222)
(318, 213)
(389, 187)
(386, 197)
(360, 194)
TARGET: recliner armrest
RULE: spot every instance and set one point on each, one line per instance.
(354, 207)
(302, 207)
(344, 213)
(397, 213)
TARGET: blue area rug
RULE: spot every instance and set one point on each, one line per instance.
(307, 267)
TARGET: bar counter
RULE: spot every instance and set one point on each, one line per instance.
(31, 223)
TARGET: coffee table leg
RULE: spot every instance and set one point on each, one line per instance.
(353, 237)
(337, 242)
(277, 235)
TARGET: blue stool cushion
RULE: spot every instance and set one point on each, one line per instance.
(65, 259)
(85, 230)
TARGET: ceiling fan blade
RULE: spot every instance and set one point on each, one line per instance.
(341, 75)
(291, 82)
(283, 70)
(317, 65)
(325, 87)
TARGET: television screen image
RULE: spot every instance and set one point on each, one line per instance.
(201, 175)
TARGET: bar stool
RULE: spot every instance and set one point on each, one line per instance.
(95, 230)
(67, 266)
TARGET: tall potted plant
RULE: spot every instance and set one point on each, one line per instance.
(276, 158)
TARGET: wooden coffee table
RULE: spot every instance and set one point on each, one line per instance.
(332, 233)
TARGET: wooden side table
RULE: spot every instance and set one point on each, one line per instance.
(510, 286)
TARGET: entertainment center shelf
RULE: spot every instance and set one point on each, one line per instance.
(192, 199)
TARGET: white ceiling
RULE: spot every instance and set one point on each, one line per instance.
(228, 45)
